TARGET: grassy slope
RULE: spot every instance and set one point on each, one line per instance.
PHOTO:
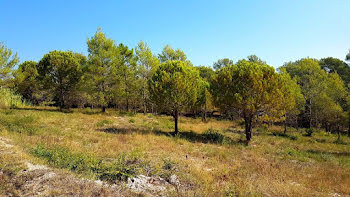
(270, 165)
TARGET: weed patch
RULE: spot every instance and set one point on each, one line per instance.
(120, 169)
(19, 124)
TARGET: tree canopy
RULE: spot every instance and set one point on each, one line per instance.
(250, 88)
(173, 87)
(61, 72)
(102, 68)
(222, 62)
(7, 62)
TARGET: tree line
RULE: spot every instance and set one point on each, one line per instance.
(307, 93)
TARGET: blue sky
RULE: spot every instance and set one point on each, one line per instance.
(276, 30)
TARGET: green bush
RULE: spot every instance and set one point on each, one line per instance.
(130, 114)
(309, 132)
(132, 120)
(217, 137)
(8, 99)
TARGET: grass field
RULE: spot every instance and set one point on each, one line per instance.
(209, 159)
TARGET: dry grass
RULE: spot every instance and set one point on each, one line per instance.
(274, 165)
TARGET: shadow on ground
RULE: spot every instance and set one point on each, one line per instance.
(43, 109)
(337, 154)
(206, 137)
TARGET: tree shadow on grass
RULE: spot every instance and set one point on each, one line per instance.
(339, 154)
(284, 135)
(43, 109)
(206, 137)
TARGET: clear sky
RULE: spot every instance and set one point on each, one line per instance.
(275, 30)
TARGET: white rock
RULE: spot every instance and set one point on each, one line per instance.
(147, 184)
(174, 180)
(35, 167)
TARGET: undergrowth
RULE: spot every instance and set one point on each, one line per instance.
(124, 166)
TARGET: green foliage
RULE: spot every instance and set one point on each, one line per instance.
(147, 64)
(334, 65)
(309, 132)
(256, 59)
(214, 136)
(324, 92)
(27, 83)
(222, 63)
(169, 54)
(128, 86)
(205, 72)
(7, 61)
(101, 76)
(174, 85)
(9, 99)
(251, 88)
(60, 73)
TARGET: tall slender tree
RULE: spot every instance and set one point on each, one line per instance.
(147, 63)
(101, 77)
(128, 73)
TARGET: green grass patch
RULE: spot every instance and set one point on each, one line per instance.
(103, 123)
(119, 169)
(18, 123)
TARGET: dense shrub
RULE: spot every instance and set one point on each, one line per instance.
(309, 132)
(8, 99)
(216, 137)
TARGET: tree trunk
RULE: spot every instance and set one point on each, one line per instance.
(144, 99)
(127, 104)
(248, 128)
(349, 126)
(103, 109)
(297, 124)
(176, 116)
(285, 124)
(126, 91)
(204, 116)
(310, 123)
(61, 97)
